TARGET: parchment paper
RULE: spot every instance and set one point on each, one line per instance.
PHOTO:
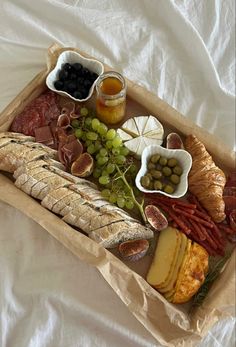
(169, 324)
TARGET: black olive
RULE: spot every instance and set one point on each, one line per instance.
(77, 66)
(93, 76)
(84, 72)
(73, 76)
(87, 84)
(80, 81)
(67, 67)
(70, 86)
(59, 85)
(63, 75)
(78, 95)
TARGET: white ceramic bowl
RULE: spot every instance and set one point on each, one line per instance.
(73, 57)
(183, 157)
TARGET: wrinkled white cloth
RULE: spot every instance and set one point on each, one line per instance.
(184, 51)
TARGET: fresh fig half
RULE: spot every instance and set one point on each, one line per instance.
(174, 141)
(83, 166)
(155, 217)
(133, 250)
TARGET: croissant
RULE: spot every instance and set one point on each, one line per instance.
(206, 180)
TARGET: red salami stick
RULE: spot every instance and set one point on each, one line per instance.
(190, 210)
(198, 230)
(226, 229)
(216, 230)
(177, 220)
(203, 215)
(197, 219)
(194, 200)
(209, 239)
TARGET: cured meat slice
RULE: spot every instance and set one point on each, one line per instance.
(44, 135)
(37, 114)
(64, 121)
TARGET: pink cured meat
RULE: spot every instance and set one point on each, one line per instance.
(40, 112)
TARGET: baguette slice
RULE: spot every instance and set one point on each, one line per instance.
(164, 258)
(110, 235)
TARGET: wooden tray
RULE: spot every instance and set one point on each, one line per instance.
(171, 325)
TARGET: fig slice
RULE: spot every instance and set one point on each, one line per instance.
(83, 166)
(133, 250)
(174, 141)
(155, 218)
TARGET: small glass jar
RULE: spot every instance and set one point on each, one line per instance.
(111, 97)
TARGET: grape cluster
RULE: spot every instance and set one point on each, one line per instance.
(108, 152)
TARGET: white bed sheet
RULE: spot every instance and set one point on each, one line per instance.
(184, 51)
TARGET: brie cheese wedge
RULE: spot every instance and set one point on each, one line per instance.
(139, 132)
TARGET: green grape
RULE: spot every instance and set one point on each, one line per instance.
(124, 151)
(104, 180)
(95, 124)
(110, 168)
(84, 111)
(88, 121)
(84, 137)
(120, 202)
(91, 149)
(110, 135)
(133, 169)
(92, 136)
(97, 172)
(129, 204)
(106, 193)
(97, 145)
(113, 198)
(108, 144)
(88, 143)
(79, 133)
(103, 152)
(102, 129)
(120, 183)
(116, 142)
(102, 160)
(115, 151)
(120, 159)
(75, 123)
(105, 173)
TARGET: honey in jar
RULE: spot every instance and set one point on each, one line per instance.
(111, 97)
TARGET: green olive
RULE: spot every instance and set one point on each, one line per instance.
(149, 175)
(174, 179)
(177, 170)
(172, 162)
(151, 166)
(145, 181)
(151, 186)
(155, 158)
(166, 171)
(156, 174)
(163, 161)
(158, 185)
(169, 189)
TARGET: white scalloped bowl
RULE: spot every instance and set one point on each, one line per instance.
(183, 157)
(74, 57)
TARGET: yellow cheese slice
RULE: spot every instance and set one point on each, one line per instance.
(164, 257)
(173, 278)
(193, 274)
(176, 256)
